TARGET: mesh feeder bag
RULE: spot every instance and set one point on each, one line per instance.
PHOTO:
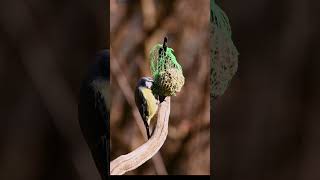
(224, 55)
(166, 71)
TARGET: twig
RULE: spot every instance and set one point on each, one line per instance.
(136, 158)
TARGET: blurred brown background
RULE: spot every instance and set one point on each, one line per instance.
(45, 49)
(136, 26)
(267, 124)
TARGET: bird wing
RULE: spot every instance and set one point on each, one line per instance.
(94, 123)
(141, 104)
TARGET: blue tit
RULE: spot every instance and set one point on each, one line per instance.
(146, 102)
(93, 112)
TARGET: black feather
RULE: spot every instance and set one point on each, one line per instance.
(94, 114)
(141, 103)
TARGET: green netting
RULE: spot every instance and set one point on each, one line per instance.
(159, 62)
(220, 19)
(224, 54)
(166, 71)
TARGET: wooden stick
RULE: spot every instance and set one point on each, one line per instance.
(143, 153)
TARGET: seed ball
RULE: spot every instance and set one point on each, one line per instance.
(168, 82)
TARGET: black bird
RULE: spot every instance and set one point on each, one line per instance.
(93, 112)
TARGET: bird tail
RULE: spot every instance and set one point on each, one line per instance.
(105, 157)
(101, 158)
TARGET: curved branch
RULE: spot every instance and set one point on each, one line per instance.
(143, 153)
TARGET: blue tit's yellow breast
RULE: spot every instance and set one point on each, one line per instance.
(151, 101)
